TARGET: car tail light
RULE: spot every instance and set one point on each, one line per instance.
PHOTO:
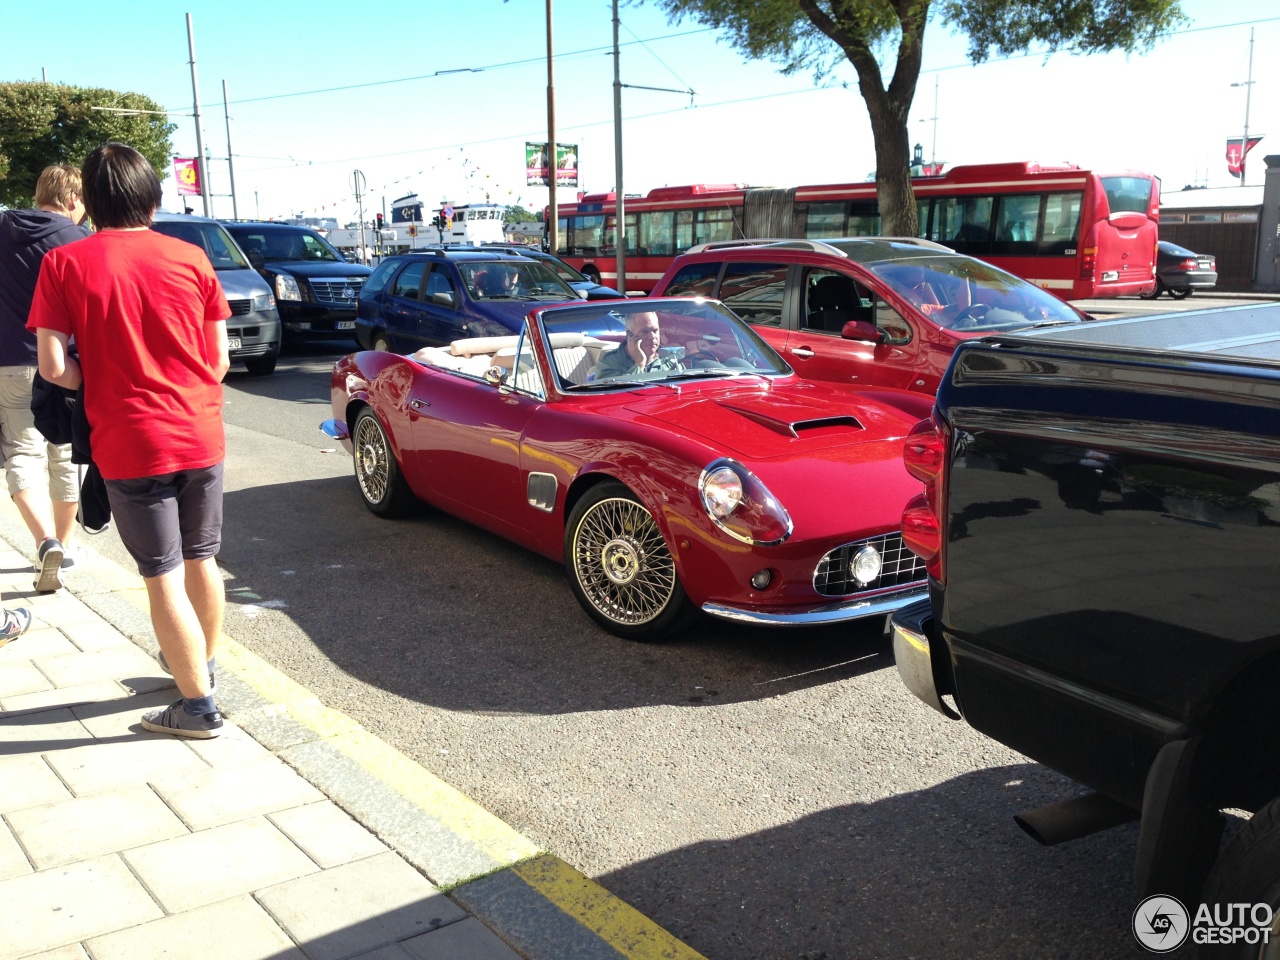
(924, 454)
(1189, 265)
(1088, 260)
(1213, 264)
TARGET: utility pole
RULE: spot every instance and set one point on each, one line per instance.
(620, 218)
(201, 166)
(1248, 92)
(358, 184)
(231, 169)
(553, 214)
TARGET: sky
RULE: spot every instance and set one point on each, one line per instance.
(438, 98)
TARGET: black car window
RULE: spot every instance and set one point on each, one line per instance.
(378, 279)
(831, 300)
(754, 291)
(409, 283)
(694, 280)
(439, 282)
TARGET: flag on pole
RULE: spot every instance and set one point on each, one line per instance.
(1237, 151)
(186, 170)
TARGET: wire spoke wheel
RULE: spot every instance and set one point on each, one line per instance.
(372, 455)
(382, 485)
(621, 562)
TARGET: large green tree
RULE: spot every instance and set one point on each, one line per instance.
(879, 36)
(518, 214)
(46, 123)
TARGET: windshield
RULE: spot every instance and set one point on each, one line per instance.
(960, 293)
(620, 345)
(209, 237)
(513, 280)
(284, 243)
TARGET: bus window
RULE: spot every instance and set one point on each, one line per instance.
(1061, 222)
(964, 223)
(712, 226)
(822, 220)
(657, 233)
(585, 235)
(1017, 221)
(754, 291)
(1128, 194)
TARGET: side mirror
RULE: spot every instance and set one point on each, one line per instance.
(495, 376)
(863, 331)
(256, 259)
(584, 294)
(444, 299)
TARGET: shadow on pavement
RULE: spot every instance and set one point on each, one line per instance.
(435, 610)
(906, 876)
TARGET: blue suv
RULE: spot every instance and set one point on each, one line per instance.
(432, 297)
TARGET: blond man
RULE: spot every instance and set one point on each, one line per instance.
(41, 478)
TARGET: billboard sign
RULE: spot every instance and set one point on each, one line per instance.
(535, 164)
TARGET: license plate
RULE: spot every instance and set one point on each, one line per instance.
(345, 325)
(233, 343)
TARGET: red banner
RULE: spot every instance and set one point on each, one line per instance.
(1237, 151)
(186, 170)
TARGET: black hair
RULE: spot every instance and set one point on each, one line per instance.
(120, 188)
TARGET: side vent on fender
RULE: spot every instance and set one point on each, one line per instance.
(542, 491)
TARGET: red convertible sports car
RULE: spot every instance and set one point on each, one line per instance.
(659, 449)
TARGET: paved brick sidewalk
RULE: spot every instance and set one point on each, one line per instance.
(119, 843)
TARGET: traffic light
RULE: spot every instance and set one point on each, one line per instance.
(438, 222)
(378, 218)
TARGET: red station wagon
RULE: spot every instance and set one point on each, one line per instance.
(874, 311)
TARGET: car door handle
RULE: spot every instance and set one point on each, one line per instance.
(801, 352)
(417, 404)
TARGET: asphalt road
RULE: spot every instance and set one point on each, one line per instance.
(763, 794)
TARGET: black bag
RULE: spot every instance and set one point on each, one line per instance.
(52, 406)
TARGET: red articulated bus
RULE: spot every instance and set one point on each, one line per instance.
(1078, 233)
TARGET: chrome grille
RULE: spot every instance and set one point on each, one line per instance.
(899, 567)
(331, 291)
(240, 307)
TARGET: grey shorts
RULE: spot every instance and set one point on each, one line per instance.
(165, 520)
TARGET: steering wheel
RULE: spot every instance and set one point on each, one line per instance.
(970, 317)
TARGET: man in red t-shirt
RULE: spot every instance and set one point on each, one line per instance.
(148, 317)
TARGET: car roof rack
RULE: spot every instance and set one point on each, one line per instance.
(813, 246)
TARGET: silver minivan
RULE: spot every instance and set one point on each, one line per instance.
(254, 327)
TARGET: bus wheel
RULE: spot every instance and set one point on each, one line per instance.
(1155, 291)
(591, 273)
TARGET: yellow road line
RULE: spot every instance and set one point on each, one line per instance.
(619, 924)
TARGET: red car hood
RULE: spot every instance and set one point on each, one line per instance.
(782, 422)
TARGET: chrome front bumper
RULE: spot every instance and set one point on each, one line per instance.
(914, 656)
(811, 616)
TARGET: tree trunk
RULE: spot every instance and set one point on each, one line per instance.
(893, 169)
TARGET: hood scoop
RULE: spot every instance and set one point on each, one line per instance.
(817, 426)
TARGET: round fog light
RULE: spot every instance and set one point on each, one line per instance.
(762, 579)
(865, 565)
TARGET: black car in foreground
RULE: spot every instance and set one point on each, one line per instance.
(1180, 271)
(315, 288)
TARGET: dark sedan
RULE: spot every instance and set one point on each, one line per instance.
(1180, 271)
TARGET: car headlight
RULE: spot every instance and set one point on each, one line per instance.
(740, 505)
(287, 287)
(264, 301)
